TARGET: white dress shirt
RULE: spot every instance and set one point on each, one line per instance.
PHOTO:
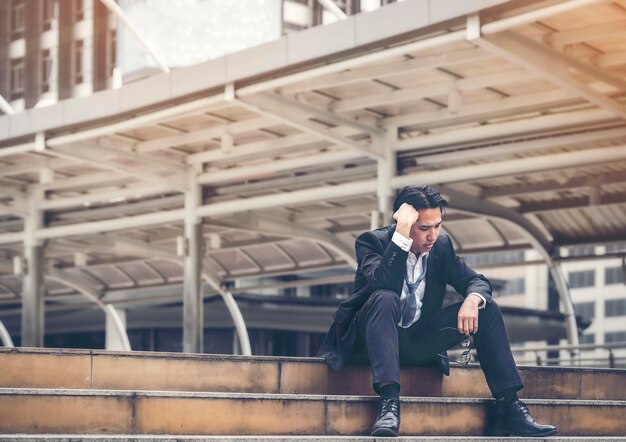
(413, 272)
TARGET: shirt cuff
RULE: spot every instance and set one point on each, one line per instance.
(483, 301)
(402, 241)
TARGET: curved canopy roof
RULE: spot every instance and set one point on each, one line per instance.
(515, 107)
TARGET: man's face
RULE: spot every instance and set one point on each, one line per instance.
(425, 231)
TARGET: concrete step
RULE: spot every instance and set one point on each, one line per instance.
(190, 413)
(172, 438)
(87, 369)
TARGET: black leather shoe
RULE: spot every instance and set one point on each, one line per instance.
(513, 418)
(388, 421)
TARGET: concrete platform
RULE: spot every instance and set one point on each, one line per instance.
(86, 369)
(172, 438)
(192, 413)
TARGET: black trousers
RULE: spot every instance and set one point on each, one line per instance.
(388, 346)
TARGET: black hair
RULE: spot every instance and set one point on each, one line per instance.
(420, 196)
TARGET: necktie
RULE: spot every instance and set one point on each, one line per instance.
(410, 302)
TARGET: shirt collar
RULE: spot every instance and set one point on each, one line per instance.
(418, 257)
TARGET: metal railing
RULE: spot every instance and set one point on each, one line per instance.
(575, 356)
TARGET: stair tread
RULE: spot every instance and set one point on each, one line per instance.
(266, 359)
(285, 397)
(176, 438)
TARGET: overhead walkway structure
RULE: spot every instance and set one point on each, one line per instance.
(271, 160)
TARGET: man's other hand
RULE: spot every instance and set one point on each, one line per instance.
(468, 315)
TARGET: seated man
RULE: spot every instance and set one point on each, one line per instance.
(395, 314)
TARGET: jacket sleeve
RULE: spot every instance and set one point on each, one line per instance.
(463, 278)
(383, 268)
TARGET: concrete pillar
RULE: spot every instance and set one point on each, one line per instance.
(193, 322)
(113, 340)
(32, 281)
(387, 169)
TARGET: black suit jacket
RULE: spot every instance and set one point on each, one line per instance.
(382, 265)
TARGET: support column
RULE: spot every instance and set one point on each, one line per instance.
(193, 324)
(568, 305)
(113, 340)
(387, 169)
(32, 282)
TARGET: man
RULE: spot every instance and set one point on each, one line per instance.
(395, 314)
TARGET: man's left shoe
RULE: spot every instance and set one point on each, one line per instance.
(388, 420)
(513, 418)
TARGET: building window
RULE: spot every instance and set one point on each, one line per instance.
(585, 278)
(585, 309)
(340, 291)
(17, 78)
(513, 287)
(17, 19)
(612, 337)
(79, 10)
(495, 258)
(588, 339)
(581, 250)
(78, 61)
(615, 307)
(616, 247)
(613, 275)
(113, 49)
(47, 14)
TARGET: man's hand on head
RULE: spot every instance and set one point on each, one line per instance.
(405, 216)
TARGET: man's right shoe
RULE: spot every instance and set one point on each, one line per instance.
(513, 418)
(388, 421)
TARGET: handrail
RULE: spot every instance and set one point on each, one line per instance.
(611, 346)
(610, 359)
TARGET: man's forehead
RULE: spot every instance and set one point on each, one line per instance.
(430, 222)
(429, 217)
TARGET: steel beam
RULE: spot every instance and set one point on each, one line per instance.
(271, 107)
(119, 13)
(267, 224)
(553, 66)
(586, 34)
(86, 289)
(5, 337)
(103, 157)
(201, 135)
(332, 7)
(430, 90)
(6, 107)
(383, 70)
(136, 248)
(464, 137)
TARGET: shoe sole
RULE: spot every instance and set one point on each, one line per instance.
(384, 432)
(506, 433)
